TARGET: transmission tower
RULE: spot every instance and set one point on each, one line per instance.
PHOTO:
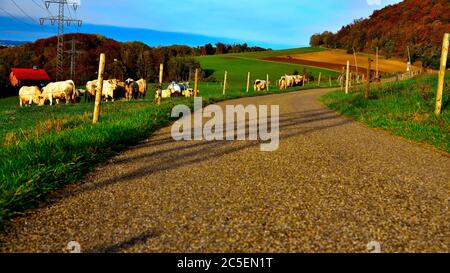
(61, 19)
(73, 55)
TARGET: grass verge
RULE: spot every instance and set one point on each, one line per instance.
(403, 108)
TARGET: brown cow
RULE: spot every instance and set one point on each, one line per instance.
(131, 88)
(142, 87)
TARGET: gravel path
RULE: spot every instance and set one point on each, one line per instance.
(333, 186)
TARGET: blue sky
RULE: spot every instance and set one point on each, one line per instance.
(269, 23)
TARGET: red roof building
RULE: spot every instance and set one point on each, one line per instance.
(28, 76)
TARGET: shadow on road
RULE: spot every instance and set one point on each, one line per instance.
(166, 154)
(127, 244)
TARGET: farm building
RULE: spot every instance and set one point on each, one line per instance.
(28, 77)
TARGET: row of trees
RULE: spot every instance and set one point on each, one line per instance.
(417, 24)
(124, 60)
(221, 48)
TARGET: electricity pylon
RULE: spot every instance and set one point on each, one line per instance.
(61, 19)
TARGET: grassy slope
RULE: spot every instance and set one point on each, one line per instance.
(238, 65)
(403, 108)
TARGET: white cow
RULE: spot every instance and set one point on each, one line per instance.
(91, 87)
(28, 95)
(164, 94)
(59, 91)
(109, 86)
(290, 81)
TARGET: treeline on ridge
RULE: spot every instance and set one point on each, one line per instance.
(124, 60)
(417, 24)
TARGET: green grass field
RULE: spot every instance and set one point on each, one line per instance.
(403, 108)
(44, 148)
(238, 65)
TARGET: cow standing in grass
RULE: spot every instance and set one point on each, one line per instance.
(59, 91)
(108, 91)
(164, 94)
(142, 88)
(260, 85)
(177, 89)
(298, 80)
(290, 81)
(28, 95)
(282, 83)
(91, 88)
(131, 89)
(109, 87)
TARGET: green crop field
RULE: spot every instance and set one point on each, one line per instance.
(44, 148)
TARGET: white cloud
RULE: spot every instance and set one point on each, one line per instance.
(374, 2)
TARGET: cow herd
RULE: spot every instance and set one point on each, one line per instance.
(58, 91)
(284, 83)
(290, 81)
(129, 90)
(113, 89)
(67, 92)
(175, 90)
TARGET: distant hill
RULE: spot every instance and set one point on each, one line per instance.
(123, 60)
(419, 24)
(7, 43)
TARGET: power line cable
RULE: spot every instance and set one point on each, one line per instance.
(41, 7)
(37, 4)
(15, 18)
(49, 13)
(26, 14)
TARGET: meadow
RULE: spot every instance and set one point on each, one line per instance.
(45, 148)
(238, 65)
(404, 108)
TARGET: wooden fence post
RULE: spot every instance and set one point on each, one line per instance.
(440, 89)
(369, 68)
(347, 77)
(161, 74)
(356, 61)
(225, 83)
(409, 63)
(196, 83)
(248, 82)
(377, 75)
(351, 79)
(268, 85)
(304, 79)
(320, 78)
(98, 94)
